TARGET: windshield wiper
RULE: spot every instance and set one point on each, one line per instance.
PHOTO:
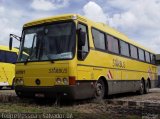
(26, 61)
(50, 59)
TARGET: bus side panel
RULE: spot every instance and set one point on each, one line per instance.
(85, 81)
(114, 80)
(3, 76)
(10, 72)
(7, 74)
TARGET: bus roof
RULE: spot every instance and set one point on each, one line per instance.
(6, 48)
(101, 26)
(50, 19)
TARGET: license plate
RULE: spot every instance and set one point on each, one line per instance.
(39, 95)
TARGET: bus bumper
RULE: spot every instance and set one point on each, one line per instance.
(66, 92)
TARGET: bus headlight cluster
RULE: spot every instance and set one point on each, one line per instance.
(58, 80)
(19, 81)
(61, 81)
(65, 80)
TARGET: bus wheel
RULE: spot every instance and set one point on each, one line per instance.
(19, 95)
(100, 89)
(146, 90)
(12, 87)
(141, 90)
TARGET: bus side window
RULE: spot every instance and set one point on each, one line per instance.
(152, 58)
(11, 57)
(124, 48)
(134, 52)
(113, 45)
(141, 54)
(2, 56)
(99, 39)
(147, 56)
(83, 50)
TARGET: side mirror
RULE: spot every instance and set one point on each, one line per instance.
(81, 38)
(10, 43)
(11, 40)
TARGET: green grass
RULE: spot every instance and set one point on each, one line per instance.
(85, 111)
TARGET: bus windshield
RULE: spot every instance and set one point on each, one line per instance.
(54, 41)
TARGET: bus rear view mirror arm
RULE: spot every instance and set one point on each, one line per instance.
(10, 43)
(11, 40)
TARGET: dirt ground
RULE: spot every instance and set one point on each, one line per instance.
(119, 106)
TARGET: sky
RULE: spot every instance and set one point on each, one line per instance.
(138, 19)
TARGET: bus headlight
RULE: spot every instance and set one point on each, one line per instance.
(65, 80)
(58, 80)
(62, 81)
(18, 82)
(21, 82)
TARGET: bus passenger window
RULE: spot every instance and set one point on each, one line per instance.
(141, 54)
(147, 56)
(152, 59)
(2, 56)
(11, 57)
(99, 39)
(134, 52)
(112, 44)
(8, 57)
(83, 50)
(124, 48)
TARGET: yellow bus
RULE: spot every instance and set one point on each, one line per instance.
(76, 58)
(7, 66)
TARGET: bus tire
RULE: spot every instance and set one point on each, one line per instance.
(19, 95)
(146, 89)
(12, 86)
(100, 89)
(142, 86)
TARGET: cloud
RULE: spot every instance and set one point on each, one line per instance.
(140, 14)
(122, 4)
(13, 16)
(42, 5)
(12, 20)
(46, 5)
(138, 19)
(1, 9)
(9, 24)
(94, 12)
